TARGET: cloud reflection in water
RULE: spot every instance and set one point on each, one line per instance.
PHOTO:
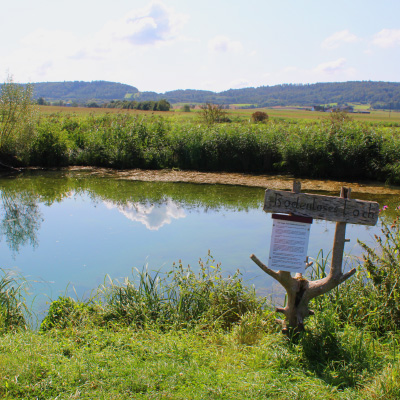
(153, 216)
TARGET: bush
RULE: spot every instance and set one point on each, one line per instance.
(51, 146)
(259, 116)
(213, 113)
(66, 312)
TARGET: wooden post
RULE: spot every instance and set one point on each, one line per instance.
(339, 239)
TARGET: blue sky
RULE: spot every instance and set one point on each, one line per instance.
(204, 44)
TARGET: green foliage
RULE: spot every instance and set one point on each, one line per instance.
(50, 147)
(341, 356)
(17, 119)
(66, 312)
(339, 117)
(181, 298)
(370, 300)
(319, 149)
(213, 113)
(382, 264)
(13, 310)
(160, 105)
(186, 108)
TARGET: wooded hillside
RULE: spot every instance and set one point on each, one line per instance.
(377, 94)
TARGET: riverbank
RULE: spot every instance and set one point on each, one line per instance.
(281, 182)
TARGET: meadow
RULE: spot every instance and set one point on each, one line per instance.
(296, 113)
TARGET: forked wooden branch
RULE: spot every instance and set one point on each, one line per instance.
(300, 290)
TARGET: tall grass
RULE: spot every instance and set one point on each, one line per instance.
(339, 150)
(180, 298)
(13, 309)
(370, 300)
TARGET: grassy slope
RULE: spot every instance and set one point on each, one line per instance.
(124, 364)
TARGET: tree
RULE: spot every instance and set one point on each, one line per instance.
(212, 113)
(163, 105)
(92, 104)
(17, 119)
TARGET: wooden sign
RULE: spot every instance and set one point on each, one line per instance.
(289, 243)
(322, 207)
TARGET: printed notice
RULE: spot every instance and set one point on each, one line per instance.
(289, 243)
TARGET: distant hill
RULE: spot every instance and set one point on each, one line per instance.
(82, 91)
(377, 94)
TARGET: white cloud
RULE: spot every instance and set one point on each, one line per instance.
(387, 38)
(151, 25)
(331, 67)
(61, 55)
(222, 44)
(338, 38)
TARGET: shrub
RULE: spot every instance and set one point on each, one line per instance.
(259, 116)
(51, 146)
(66, 312)
(213, 113)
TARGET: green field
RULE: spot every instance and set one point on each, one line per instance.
(279, 113)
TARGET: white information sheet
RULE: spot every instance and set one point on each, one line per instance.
(289, 243)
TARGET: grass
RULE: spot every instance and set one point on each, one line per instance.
(13, 309)
(147, 364)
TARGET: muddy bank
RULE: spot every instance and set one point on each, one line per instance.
(278, 182)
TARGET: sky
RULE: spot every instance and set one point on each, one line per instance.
(216, 45)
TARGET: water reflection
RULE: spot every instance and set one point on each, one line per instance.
(152, 216)
(81, 240)
(20, 219)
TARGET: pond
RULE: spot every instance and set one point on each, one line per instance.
(65, 231)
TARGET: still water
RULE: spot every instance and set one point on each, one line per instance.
(65, 231)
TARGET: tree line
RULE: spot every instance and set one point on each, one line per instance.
(379, 95)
